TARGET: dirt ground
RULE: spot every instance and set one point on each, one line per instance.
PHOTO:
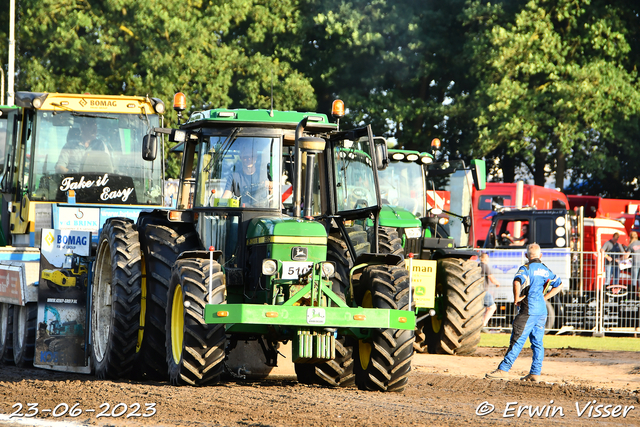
(581, 387)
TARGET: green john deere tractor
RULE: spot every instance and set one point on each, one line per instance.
(275, 240)
(427, 208)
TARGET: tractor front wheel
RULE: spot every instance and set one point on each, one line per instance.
(195, 349)
(161, 246)
(456, 327)
(116, 300)
(383, 361)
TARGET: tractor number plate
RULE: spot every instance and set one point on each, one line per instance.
(292, 270)
(412, 233)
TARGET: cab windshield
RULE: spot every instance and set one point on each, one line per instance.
(402, 185)
(99, 156)
(239, 172)
(355, 182)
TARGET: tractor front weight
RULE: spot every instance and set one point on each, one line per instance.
(310, 318)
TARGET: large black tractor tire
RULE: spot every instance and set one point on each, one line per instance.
(116, 300)
(383, 362)
(456, 328)
(161, 246)
(389, 241)
(195, 350)
(6, 333)
(337, 372)
(25, 319)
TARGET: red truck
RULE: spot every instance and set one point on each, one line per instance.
(622, 210)
(571, 248)
(499, 194)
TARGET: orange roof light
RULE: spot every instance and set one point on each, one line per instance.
(337, 108)
(179, 102)
(435, 143)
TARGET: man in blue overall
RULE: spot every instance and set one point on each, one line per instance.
(529, 286)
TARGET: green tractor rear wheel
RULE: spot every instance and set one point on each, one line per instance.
(195, 349)
(457, 325)
(161, 246)
(383, 361)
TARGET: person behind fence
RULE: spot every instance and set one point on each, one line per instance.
(634, 252)
(533, 284)
(612, 251)
(489, 279)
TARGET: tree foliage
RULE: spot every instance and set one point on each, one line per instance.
(540, 88)
(219, 53)
(556, 87)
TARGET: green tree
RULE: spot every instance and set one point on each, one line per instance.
(219, 53)
(555, 86)
(399, 65)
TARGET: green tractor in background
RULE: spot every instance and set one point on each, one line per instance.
(415, 191)
(288, 207)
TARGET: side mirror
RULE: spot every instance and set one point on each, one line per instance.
(382, 155)
(479, 172)
(149, 147)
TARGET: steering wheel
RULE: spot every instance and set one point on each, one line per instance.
(259, 193)
(358, 197)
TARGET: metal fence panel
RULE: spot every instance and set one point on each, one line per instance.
(595, 297)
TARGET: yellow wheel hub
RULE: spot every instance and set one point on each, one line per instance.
(177, 324)
(436, 324)
(364, 348)
(143, 305)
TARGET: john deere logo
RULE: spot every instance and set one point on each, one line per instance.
(49, 239)
(316, 316)
(83, 102)
(299, 253)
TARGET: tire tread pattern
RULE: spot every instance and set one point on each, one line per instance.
(203, 352)
(126, 262)
(161, 245)
(462, 285)
(391, 349)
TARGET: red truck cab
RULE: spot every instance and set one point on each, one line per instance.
(498, 194)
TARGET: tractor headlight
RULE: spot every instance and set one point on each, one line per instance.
(269, 267)
(412, 157)
(328, 269)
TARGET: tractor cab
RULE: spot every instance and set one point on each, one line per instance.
(424, 199)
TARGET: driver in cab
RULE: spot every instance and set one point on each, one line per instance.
(246, 184)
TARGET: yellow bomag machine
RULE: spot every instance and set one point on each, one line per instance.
(74, 273)
(72, 173)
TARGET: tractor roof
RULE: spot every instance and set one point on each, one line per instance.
(258, 118)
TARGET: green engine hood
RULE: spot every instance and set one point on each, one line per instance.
(397, 217)
(285, 230)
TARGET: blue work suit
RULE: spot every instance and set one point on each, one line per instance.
(532, 314)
